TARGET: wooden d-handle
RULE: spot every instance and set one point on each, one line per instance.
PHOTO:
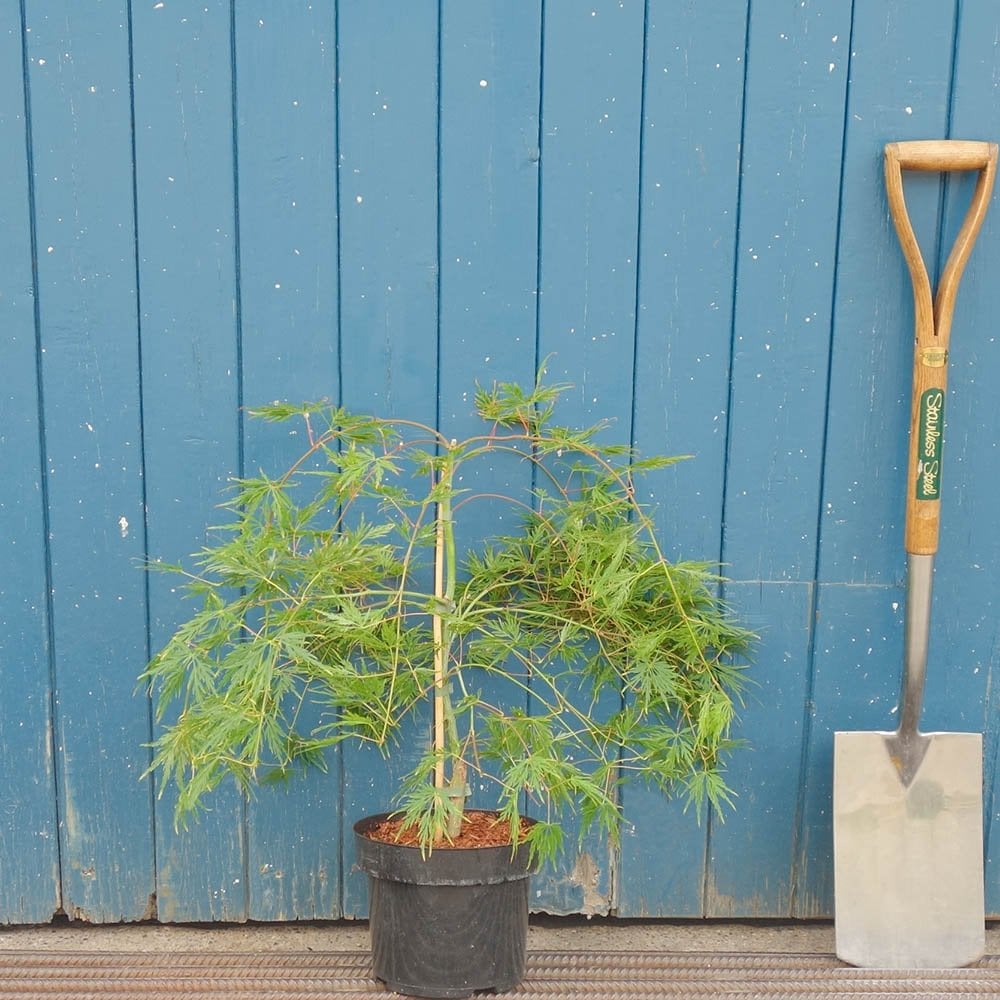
(942, 154)
(932, 316)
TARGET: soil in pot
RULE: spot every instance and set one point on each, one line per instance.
(449, 923)
(479, 829)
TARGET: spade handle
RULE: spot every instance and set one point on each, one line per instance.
(932, 316)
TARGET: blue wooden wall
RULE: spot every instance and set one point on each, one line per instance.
(206, 205)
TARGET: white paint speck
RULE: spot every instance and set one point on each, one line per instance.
(123, 526)
(277, 284)
(41, 62)
(483, 83)
(359, 199)
(159, 6)
(49, 249)
(908, 110)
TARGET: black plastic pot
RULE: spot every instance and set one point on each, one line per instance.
(447, 924)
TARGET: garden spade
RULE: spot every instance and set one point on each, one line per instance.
(907, 806)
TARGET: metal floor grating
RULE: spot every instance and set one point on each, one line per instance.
(613, 975)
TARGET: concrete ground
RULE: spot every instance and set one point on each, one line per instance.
(546, 934)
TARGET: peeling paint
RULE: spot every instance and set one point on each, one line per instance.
(587, 875)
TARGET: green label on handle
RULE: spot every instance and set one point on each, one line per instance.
(929, 444)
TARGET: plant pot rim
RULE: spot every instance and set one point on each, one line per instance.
(442, 865)
(363, 825)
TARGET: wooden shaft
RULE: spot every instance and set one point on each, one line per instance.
(932, 319)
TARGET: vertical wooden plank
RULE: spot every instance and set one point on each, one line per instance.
(797, 61)
(967, 577)
(690, 181)
(79, 79)
(490, 73)
(387, 110)
(591, 115)
(489, 198)
(186, 269)
(900, 80)
(793, 138)
(750, 869)
(29, 856)
(693, 109)
(288, 288)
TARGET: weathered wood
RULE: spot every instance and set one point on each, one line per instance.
(286, 139)
(590, 121)
(29, 856)
(190, 370)
(79, 79)
(690, 171)
(751, 868)
(692, 115)
(489, 135)
(896, 93)
(489, 160)
(388, 106)
(784, 274)
(412, 203)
